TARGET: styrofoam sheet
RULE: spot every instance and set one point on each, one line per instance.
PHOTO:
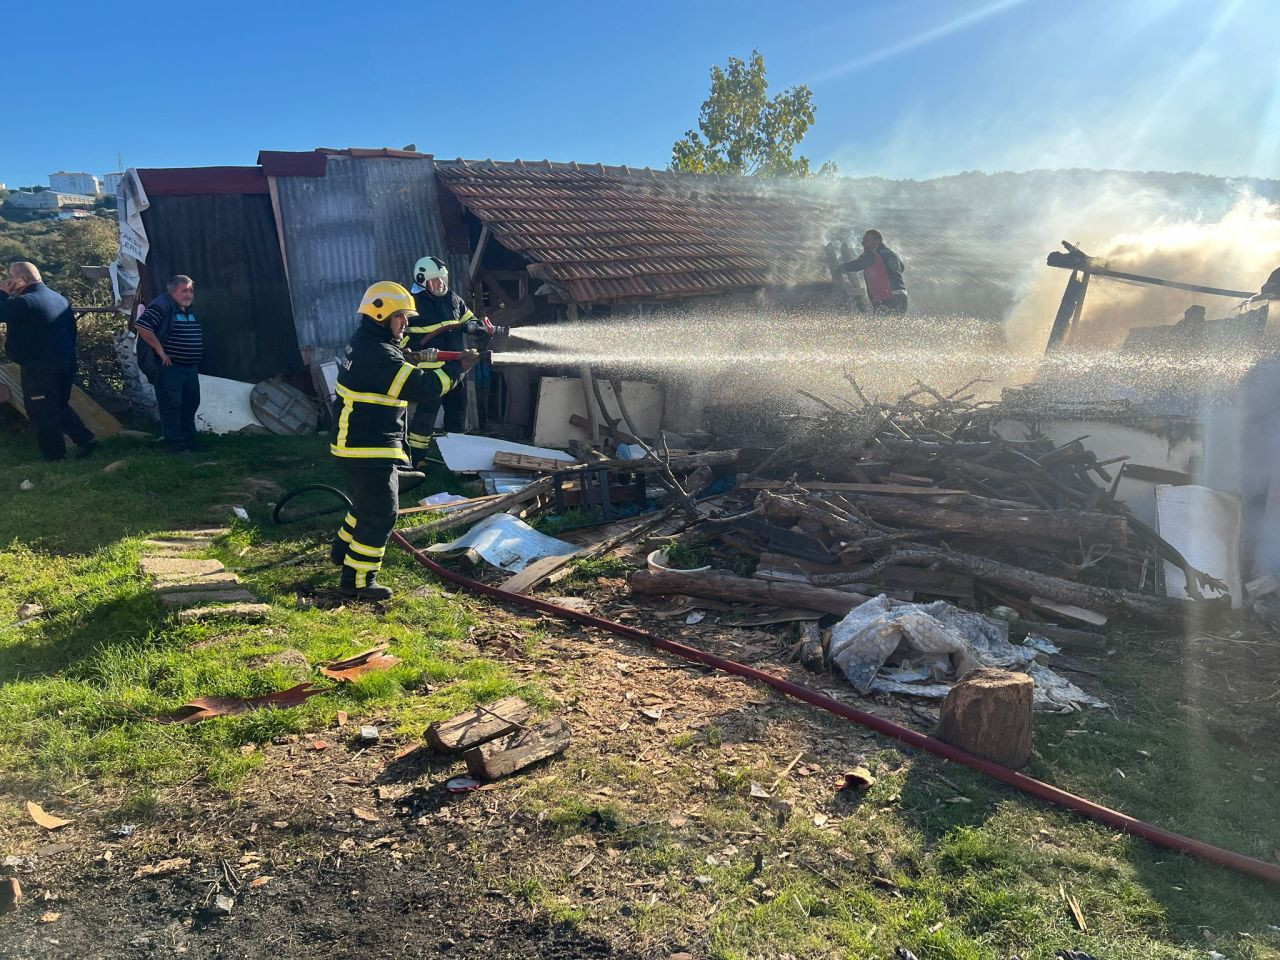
(224, 405)
(1204, 525)
(463, 453)
(561, 397)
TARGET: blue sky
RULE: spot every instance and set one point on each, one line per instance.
(904, 88)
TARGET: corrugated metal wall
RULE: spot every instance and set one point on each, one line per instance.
(227, 244)
(367, 219)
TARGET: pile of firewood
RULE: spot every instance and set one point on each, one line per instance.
(922, 498)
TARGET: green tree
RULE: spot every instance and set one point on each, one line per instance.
(743, 130)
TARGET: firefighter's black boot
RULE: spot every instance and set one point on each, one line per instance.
(370, 590)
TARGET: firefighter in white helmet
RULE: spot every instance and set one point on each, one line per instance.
(441, 316)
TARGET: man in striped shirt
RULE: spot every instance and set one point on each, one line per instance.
(170, 328)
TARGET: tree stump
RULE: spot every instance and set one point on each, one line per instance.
(989, 713)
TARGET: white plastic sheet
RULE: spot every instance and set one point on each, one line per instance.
(507, 542)
(932, 645)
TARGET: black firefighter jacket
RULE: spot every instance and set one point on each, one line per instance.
(376, 385)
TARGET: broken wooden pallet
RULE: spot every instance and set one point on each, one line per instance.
(474, 727)
(516, 752)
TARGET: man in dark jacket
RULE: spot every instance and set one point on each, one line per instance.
(376, 384)
(170, 330)
(442, 315)
(42, 341)
(882, 271)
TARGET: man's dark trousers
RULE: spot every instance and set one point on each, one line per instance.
(178, 396)
(46, 393)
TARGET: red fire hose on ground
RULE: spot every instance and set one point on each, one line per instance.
(1029, 785)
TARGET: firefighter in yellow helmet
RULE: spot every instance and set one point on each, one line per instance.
(375, 387)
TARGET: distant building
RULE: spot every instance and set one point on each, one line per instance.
(74, 214)
(84, 184)
(49, 200)
(110, 182)
(3, 187)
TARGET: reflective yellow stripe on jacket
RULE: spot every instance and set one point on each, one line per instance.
(350, 398)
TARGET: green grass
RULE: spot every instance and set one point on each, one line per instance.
(81, 685)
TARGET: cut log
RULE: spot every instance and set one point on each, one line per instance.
(478, 726)
(511, 754)
(720, 586)
(1064, 526)
(1117, 602)
(1062, 636)
(988, 712)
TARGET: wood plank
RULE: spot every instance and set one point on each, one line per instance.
(528, 462)
(478, 255)
(503, 757)
(720, 586)
(474, 727)
(99, 422)
(1070, 611)
(446, 507)
(898, 489)
(535, 573)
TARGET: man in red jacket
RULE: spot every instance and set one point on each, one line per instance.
(882, 271)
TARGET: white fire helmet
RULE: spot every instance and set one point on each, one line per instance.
(429, 268)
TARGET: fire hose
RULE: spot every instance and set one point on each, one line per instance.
(1029, 785)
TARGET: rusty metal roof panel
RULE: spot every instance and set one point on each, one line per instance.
(367, 218)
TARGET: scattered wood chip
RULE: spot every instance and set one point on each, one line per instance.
(820, 820)
(362, 814)
(46, 820)
(653, 713)
(49, 916)
(163, 868)
(582, 864)
(342, 719)
(759, 792)
(261, 881)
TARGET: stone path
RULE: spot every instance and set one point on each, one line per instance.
(198, 589)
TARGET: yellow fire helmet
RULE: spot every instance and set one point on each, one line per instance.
(385, 298)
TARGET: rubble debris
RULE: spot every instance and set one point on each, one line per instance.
(988, 713)
(223, 905)
(723, 586)
(368, 735)
(505, 541)
(511, 754)
(474, 727)
(203, 708)
(356, 666)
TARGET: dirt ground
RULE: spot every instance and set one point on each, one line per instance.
(348, 851)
